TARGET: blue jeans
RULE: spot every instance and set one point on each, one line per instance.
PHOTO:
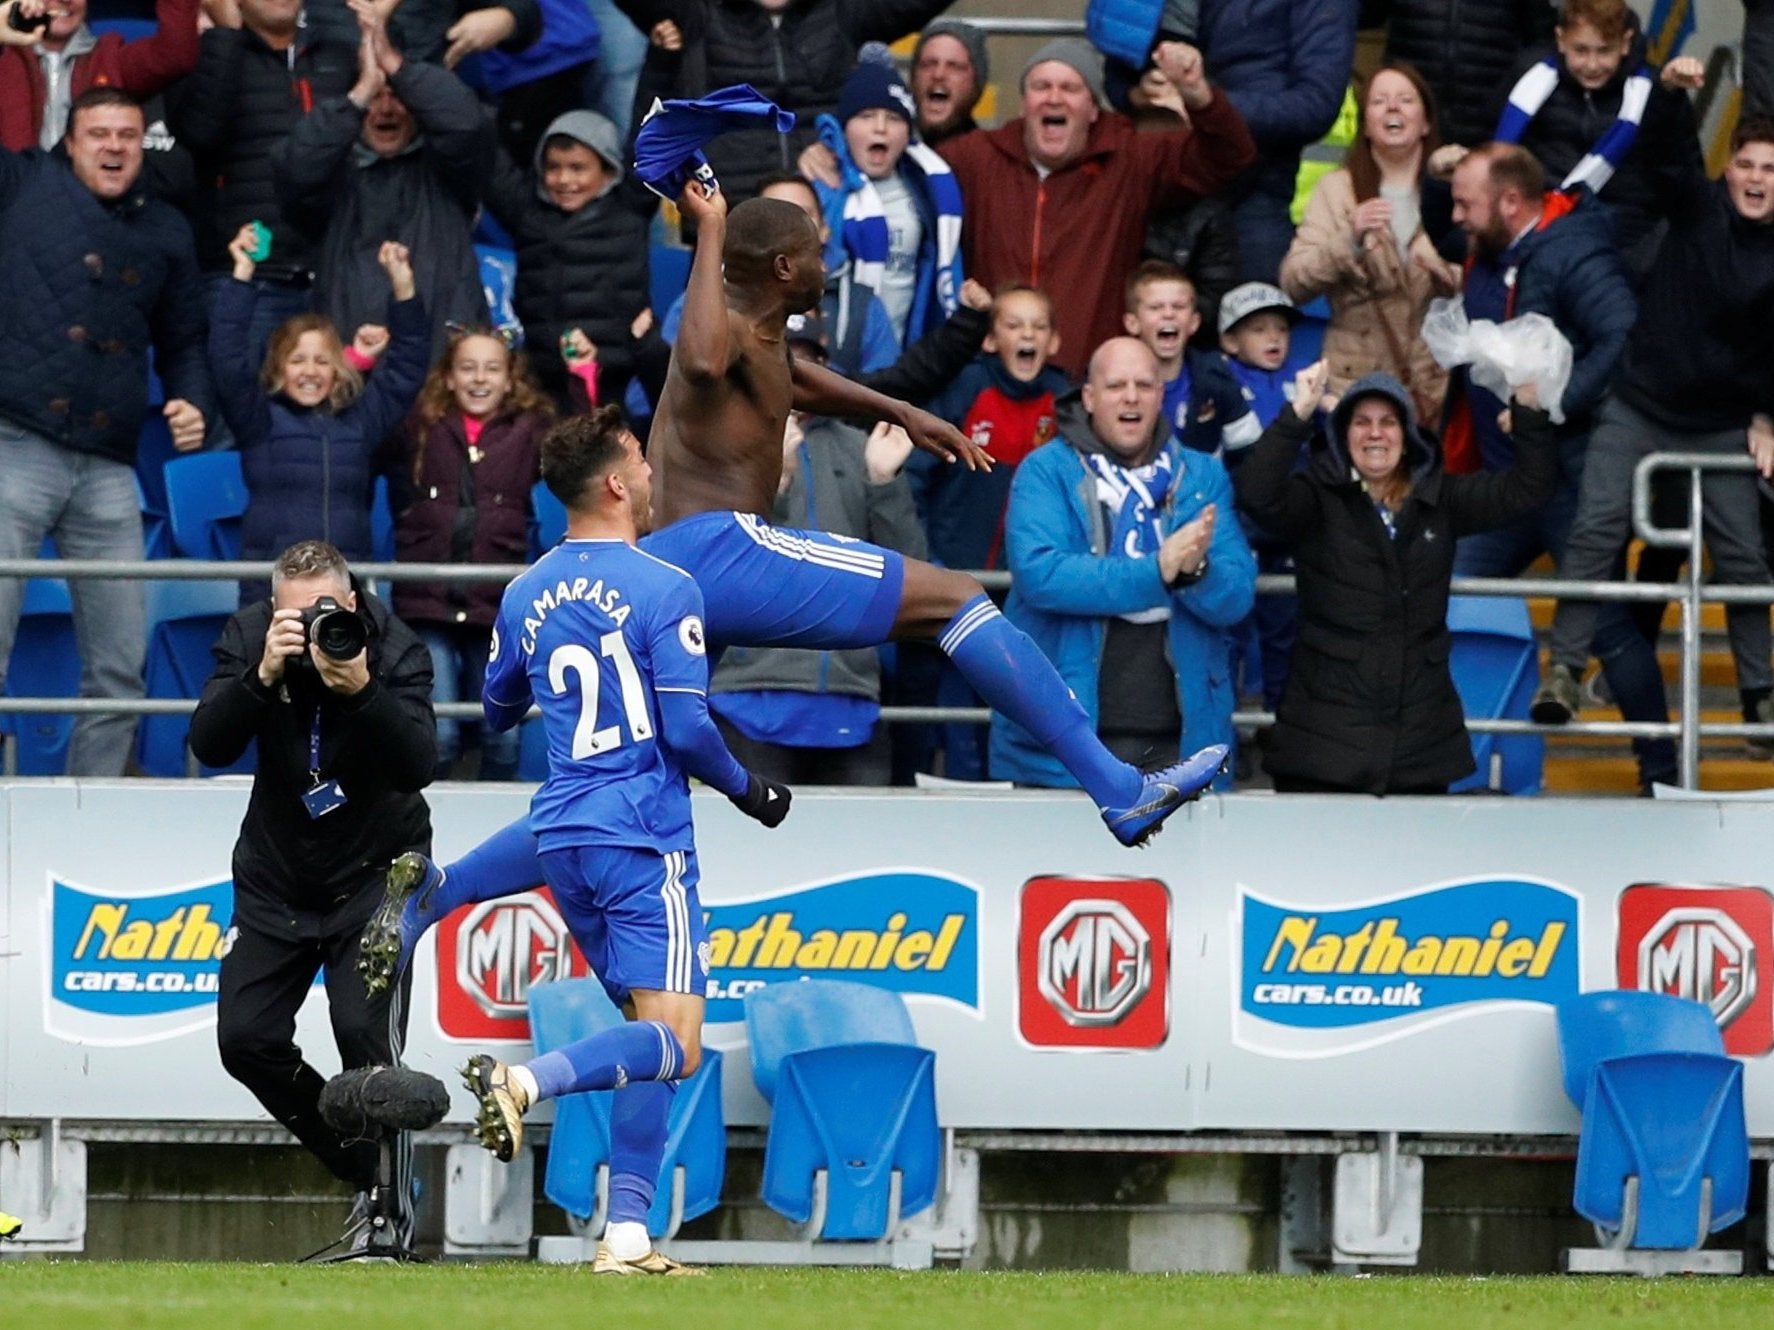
(88, 503)
(1628, 661)
(622, 48)
(458, 669)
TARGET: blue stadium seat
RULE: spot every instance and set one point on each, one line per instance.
(1622, 1022)
(787, 1018)
(854, 1144)
(498, 283)
(1663, 1158)
(184, 620)
(1306, 344)
(668, 273)
(45, 663)
(153, 451)
(695, 1161)
(550, 525)
(130, 29)
(1663, 1153)
(381, 523)
(205, 499)
(1495, 663)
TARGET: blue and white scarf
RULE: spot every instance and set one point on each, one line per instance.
(1599, 164)
(859, 227)
(1136, 498)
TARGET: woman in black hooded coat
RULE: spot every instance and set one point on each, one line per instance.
(1370, 705)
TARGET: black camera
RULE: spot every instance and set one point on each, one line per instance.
(337, 631)
(19, 23)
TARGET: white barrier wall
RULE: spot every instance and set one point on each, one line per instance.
(1313, 963)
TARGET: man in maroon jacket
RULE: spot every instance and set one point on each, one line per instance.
(42, 71)
(1059, 197)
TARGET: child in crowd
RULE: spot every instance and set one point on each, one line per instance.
(1004, 401)
(578, 222)
(309, 430)
(1202, 401)
(896, 217)
(1256, 325)
(1256, 328)
(463, 496)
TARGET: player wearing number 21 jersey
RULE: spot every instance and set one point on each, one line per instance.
(599, 633)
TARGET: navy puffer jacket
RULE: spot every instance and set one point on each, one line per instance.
(311, 473)
(87, 287)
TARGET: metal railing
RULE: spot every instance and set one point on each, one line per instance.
(1690, 595)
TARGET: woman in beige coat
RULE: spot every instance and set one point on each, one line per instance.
(1362, 245)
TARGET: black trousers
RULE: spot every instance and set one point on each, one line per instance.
(264, 981)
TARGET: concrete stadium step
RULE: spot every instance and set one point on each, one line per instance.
(1586, 773)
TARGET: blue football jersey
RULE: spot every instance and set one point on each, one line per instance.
(593, 632)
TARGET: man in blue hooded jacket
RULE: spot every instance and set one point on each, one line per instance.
(1129, 573)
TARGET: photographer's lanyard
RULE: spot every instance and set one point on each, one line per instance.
(324, 795)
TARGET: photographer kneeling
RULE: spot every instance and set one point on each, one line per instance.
(337, 691)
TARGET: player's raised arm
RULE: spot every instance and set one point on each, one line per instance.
(704, 347)
(822, 392)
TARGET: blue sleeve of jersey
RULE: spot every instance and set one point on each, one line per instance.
(679, 657)
(505, 693)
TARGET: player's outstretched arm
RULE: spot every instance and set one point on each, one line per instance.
(703, 349)
(825, 393)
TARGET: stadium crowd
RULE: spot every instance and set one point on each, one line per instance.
(284, 204)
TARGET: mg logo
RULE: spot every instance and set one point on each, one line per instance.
(1703, 955)
(507, 945)
(1093, 962)
(491, 956)
(1709, 944)
(1096, 962)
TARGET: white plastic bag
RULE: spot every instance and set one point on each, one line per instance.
(1503, 356)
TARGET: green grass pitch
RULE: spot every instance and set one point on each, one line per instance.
(73, 1295)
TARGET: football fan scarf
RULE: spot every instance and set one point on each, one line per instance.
(1600, 162)
(1134, 497)
(860, 227)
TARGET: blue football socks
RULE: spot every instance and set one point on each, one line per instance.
(610, 1059)
(1014, 676)
(638, 1120)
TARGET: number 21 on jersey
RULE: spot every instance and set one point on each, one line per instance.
(577, 661)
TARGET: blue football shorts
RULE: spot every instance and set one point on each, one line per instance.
(771, 586)
(635, 915)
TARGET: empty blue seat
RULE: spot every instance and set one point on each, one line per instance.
(45, 663)
(184, 620)
(550, 522)
(381, 523)
(205, 499)
(153, 450)
(1621, 1022)
(668, 273)
(781, 1019)
(695, 1161)
(854, 1144)
(498, 282)
(1663, 1158)
(1495, 665)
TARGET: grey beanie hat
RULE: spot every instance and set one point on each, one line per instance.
(1077, 53)
(969, 36)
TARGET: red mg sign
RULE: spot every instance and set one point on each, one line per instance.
(1710, 944)
(1094, 963)
(488, 959)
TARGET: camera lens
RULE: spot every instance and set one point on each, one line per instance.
(339, 634)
